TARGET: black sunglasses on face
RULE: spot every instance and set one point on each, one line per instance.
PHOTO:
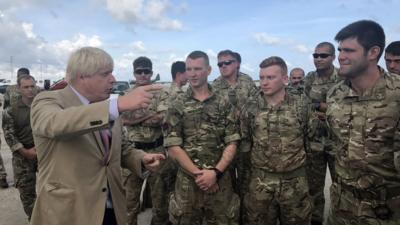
(142, 71)
(321, 55)
(226, 63)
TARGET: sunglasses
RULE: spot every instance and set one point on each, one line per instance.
(321, 55)
(143, 71)
(226, 63)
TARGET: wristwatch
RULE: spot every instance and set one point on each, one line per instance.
(218, 173)
(317, 105)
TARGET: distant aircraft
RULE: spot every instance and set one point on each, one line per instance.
(133, 82)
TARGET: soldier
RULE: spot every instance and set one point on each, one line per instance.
(296, 83)
(319, 144)
(201, 134)
(363, 114)
(392, 57)
(179, 78)
(12, 90)
(237, 87)
(144, 131)
(3, 174)
(18, 135)
(272, 126)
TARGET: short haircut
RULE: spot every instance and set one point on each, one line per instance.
(238, 57)
(227, 52)
(274, 61)
(199, 54)
(393, 48)
(86, 62)
(22, 71)
(298, 69)
(177, 67)
(327, 44)
(367, 32)
(142, 62)
(24, 77)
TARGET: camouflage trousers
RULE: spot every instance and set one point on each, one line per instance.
(161, 185)
(241, 177)
(190, 205)
(274, 197)
(25, 180)
(319, 156)
(3, 174)
(346, 209)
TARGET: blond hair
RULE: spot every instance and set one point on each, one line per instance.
(86, 62)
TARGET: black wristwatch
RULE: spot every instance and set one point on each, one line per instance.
(218, 173)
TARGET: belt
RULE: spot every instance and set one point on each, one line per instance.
(380, 193)
(301, 171)
(150, 145)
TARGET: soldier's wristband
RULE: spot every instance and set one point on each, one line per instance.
(218, 173)
(317, 105)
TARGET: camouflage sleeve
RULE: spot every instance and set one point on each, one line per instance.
(172, 126)
(397, 148)
(6, 98)
(245, 129)
(308, 80)
(231, 126)
(9, 131)
(131, 157)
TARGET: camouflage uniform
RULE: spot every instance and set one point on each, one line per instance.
(278, 187)
(3, 174)
(367, 133)
(12, 94)
(149, 138)
(202, 129)
(18, 134)
(297, 89)
(238, 96)
(319, 144)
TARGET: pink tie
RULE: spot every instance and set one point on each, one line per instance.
(105, 137)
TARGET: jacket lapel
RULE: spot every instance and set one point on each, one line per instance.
(71, 100)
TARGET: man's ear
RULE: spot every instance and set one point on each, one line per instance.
(374, 52)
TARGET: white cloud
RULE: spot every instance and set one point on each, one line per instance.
(79, 40)
(266, 39)
(302, 48)
(28, 49)
(152, 13)
(138, 46)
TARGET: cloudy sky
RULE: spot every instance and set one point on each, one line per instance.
(40, 34)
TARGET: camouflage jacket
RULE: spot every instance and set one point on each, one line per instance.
(296, 89)
(16, 125)
(238, 94)
(173, 92)
(274, 134)
(367, 132)
(202, 129)
(146, 132)
(315, 90)
(10, 95)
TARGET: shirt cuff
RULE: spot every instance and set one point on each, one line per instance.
(113, 108)
(16, 147)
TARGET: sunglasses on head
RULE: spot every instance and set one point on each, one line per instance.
(320, 55)
(143, 71)
(226, 63)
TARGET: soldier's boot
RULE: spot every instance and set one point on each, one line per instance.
(3, 183)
